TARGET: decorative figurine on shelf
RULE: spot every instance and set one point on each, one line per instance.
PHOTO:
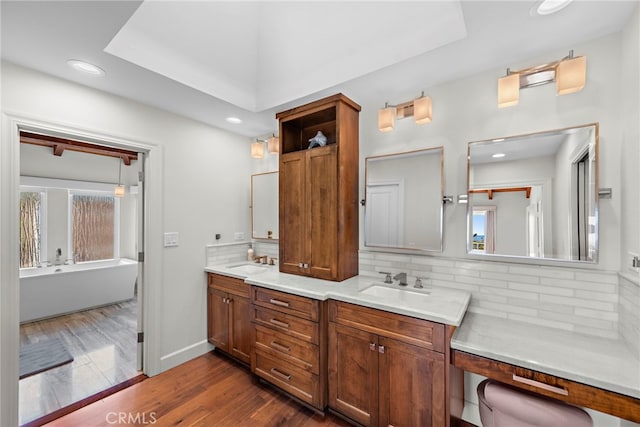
(318, 141)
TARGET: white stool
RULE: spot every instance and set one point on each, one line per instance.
(505, 406)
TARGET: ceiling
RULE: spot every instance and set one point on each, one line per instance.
(209, 60)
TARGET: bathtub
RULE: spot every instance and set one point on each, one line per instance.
(52, 291)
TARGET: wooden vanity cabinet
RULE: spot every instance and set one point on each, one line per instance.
(290, 344)
(318, 190)
(229, 325)
(387, 369)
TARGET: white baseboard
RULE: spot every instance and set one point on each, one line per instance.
(184, 354)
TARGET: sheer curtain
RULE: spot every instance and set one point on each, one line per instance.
(29, 229)
(93, 227)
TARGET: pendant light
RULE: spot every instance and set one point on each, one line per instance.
(119, 190)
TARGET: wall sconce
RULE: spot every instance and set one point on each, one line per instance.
(569, 73)
(119, 190)
(420, 108)
(273, 145)
(257, 149)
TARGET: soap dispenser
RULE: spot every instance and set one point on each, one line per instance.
(250, 254)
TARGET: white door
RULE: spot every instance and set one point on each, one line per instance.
(383, 215)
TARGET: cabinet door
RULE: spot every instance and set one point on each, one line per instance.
(353, 373)
(412, 389)
(241, 328)
(322, 220)
(218, 316)
(293, 237)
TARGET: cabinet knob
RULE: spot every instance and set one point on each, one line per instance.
(372, 346)
(381, 349)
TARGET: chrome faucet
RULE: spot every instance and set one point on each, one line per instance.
(402, 278)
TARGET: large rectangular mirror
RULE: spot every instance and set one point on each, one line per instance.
(403, 201)
(264, 206)
(535, 195)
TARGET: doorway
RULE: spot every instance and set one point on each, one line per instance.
(81, 225)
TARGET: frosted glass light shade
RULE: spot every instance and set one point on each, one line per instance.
(571, 75)
(273, 145)
(119, 191)
(386, 117)
(508, 90)
(422, 110)
(257, 150)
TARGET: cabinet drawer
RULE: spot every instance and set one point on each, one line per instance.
(293, 326)
(300, 383)
(418, 332)
(295, 305)
(229, 284)
(549, 385)
(300, 353)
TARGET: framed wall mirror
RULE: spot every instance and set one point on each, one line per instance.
(403, 201)
(535, 195)
(264, 206)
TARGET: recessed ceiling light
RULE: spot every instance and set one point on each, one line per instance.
(498, 155)
(547, 7)
(234, 120)
(86, 67)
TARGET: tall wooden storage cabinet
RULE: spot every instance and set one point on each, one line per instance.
(319, 189)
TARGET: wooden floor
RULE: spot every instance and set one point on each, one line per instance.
(103, 343)
(210, 390)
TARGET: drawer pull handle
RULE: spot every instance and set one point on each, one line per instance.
(280, 347)
(279, 323)
(534, 383)
(279, 374)
(278, 302)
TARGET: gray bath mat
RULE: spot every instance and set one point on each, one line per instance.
(42, 356)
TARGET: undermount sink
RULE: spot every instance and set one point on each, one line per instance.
(248, 268)
(397, 293)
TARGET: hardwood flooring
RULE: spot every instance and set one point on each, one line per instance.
(210, 390)
(103, 343)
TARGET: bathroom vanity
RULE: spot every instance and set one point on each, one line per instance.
(353, 347)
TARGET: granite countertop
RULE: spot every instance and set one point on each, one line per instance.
(436, 304)
(599, 362)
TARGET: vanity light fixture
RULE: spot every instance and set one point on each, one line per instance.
(273, 145)
(420, 108)
(257, 149)
(119, 190)
(569, 74)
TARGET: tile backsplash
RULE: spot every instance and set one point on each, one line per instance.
(595, 302)
(237, 251)
(565, 298)
(630, 312)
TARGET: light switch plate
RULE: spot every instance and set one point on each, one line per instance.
(170, 239)
(238, 236)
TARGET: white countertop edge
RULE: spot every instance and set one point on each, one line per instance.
(454, 320)
(347, 291)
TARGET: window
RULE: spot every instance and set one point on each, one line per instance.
(31, 228)
(93, 227)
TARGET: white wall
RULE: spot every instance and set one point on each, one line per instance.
(203, 193)
(466, 110)
(630, 138)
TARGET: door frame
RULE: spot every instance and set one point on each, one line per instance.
(12, 124)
